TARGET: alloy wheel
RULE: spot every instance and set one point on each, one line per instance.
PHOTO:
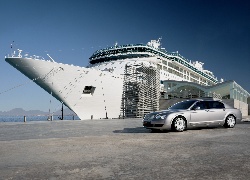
(179, 124)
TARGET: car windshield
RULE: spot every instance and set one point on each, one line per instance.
(182, 105)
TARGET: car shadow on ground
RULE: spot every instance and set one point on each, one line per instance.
(139, 130)
(133, 130)
(244, 122)
(144, 130)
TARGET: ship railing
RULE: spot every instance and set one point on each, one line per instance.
(117, 47)
(18, 54)
(141, 45)
(13, 54)
(172, 95)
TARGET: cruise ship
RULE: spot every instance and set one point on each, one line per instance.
(120, 81)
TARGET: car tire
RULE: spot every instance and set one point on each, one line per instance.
(179, 124)
(230, 121)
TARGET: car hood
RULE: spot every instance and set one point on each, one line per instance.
(152, 115)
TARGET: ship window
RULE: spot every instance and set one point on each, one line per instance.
(89, 90)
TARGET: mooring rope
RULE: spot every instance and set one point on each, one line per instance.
(32, 80)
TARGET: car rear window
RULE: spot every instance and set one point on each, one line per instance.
(215, 105)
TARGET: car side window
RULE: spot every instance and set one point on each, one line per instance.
(201, 104)
(216, 105)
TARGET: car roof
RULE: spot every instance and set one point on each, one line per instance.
(207, 99)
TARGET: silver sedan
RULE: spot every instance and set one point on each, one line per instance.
(198, 113)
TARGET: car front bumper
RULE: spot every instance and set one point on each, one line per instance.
(156, 124)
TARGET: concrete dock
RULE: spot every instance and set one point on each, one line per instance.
(121, 149)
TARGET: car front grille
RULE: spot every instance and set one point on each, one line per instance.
(148, 124)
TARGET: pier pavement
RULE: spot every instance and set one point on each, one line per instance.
(121, 149)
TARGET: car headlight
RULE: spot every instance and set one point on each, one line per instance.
(160, 116)
(148, 117)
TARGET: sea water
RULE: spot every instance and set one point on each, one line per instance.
(36, 118)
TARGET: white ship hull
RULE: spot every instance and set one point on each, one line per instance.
(67, 83)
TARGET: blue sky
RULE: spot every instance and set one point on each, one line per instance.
(216, 32)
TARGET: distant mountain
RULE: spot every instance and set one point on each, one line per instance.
(66, 111)
(22, 112)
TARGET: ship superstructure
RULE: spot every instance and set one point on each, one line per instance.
(172, 65)
(120, 81)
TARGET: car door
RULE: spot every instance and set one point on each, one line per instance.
(217, 112)
(199, 114)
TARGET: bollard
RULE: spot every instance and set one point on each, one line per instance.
(24, 119)
(51, 118)
(91, 116)
(73, 117)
